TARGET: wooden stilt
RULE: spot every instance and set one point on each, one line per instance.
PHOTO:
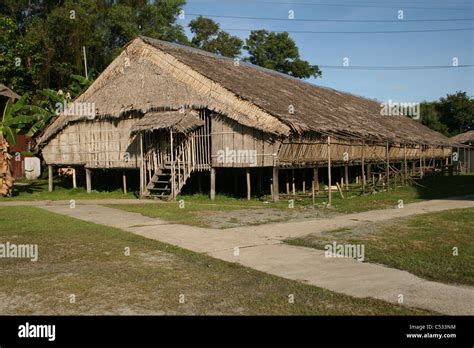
(346, 176)
(249, 189)
(275, 184)
(287, 182)
(213, 184)
(293, 188)
(329, 172)
(362, 166)
(142, 168)
(387, 170)
(50, 178)
(316, 179)
(304, 181)
(74, 181)
(405, 166)
(421, 162)
(88, 180)
(173, 180)
(124, 182)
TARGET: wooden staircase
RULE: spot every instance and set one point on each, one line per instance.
(170, 175)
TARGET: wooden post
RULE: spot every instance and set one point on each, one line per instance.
(340, 190)
(329, 172)
(304, 181)
(387, 170)
(316, 178)
(369, 171)
(293, 182)
(249, 192)
(362, 166)
(421, 162)
(287, 182)
(173, 181)
(50, 178)
(275, 184)
(88, 180)
(74, 181)
(346, 176)
(124, 182)
(142, 168)
(213, 183)
(405, 166)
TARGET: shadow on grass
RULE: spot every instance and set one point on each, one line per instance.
(436, 186)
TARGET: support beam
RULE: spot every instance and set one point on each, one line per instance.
(74, 181)
(316, 179)
(142, 168)
(124, 183)
(304, 180)
(405, 166)
(293, 188)
(346, 176)
(213, 184)
(275, 184)
(88, 180)
(249, 188)
(173, 179)
(387, 170)
(329, 172)
(50, 178)
(362, 166)
(421, 162)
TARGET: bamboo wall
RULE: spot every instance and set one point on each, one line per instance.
(228, 135)
(316, 151)
(106, 143)
(95, 144)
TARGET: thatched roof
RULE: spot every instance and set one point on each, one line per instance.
(152, 75)
(7, 92)
(179, 121)
(464, 138)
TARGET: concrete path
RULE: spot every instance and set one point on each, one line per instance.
(261, 248)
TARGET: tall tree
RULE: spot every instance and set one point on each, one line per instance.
(46, 37)
(278, 51)
(207, 36)
(430, 117)
(457, 112)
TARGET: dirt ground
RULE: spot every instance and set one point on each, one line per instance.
(252, 217)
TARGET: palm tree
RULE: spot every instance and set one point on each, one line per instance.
(17, 118)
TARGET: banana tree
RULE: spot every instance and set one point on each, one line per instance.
(18, 117)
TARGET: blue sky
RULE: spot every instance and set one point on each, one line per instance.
(406, 49)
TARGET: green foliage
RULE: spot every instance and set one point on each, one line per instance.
(19, 117)
(209, 37)
(277, 51)
(451, 115)
(430, 117)
(457, 112)
(41, 42)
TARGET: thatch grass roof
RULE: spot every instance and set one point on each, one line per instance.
(7, 92)
(165, 76)
(183, 121)
(464, 138)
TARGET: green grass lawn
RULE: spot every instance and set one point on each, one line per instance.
(422, 244)
(200, 211)
(87, 260)
(37, 190)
